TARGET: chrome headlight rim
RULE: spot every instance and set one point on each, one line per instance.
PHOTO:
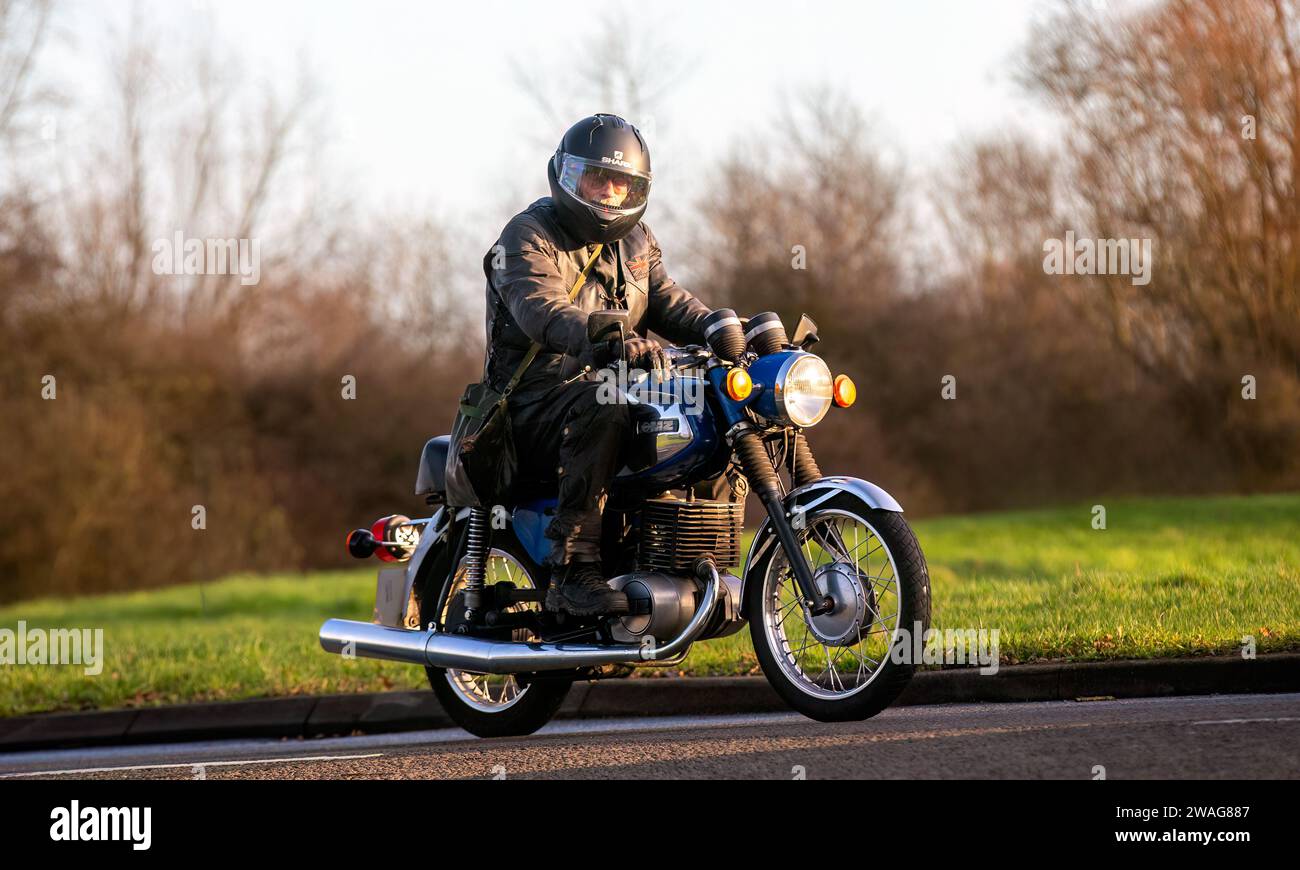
(781, 391)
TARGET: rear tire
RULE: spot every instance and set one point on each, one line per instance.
(537, 702)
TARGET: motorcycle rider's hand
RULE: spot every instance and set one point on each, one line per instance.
(605, 352)
(645, 353)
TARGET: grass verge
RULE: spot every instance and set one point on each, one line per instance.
(1167, 577)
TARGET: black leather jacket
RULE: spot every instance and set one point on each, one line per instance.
(532, 268)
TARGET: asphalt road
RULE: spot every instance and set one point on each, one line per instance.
(1241, 736)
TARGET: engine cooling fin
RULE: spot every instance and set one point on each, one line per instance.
(674, 533)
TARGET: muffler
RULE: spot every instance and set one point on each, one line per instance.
(478, 655)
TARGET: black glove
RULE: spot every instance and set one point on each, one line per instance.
(644, 353)
(602, 353)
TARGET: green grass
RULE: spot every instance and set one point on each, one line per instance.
(1168, 577)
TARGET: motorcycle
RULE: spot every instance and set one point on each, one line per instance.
(832, 581)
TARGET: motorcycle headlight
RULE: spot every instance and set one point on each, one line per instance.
(805, 390)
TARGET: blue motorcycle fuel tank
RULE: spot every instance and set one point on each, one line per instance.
(677, 416)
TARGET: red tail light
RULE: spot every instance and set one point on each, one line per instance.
(379, 531)
(393, 539)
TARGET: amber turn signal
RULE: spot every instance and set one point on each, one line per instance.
(845, 391)
(739, 385)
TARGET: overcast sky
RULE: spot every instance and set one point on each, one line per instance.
(427, 111)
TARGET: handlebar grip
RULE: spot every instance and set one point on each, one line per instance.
(608, 351)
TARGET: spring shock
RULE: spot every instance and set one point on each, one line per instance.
(475, 560)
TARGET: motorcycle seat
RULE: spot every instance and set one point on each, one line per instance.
(432, 476)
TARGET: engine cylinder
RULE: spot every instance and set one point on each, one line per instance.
(674, 533)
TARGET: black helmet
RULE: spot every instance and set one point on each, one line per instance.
(600, 178)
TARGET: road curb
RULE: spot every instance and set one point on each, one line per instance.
(308, 716)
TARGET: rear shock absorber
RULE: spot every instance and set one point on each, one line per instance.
(764, 481)
(805, 467)
(475, 561)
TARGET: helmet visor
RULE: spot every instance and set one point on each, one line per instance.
(603, 186)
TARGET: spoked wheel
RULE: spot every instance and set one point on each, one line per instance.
(491, 705)
(837, 666)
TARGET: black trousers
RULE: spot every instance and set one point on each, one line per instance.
(566, 435)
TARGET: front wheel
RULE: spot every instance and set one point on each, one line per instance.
(488, 705)
(840, 666)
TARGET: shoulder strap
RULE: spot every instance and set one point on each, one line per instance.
(537, 346)
(620, 284)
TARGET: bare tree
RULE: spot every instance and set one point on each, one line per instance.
(627, 71)
(812, 213)
(1186, 118)
(24, 29)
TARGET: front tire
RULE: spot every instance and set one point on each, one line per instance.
(839, 667)
(486, 705)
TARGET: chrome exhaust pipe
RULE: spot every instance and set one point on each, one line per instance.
(463, 653)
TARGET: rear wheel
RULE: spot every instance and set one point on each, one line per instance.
(489, 705)
(838, 666)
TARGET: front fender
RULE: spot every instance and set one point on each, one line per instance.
(807, 497)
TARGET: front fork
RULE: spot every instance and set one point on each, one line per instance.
(764, 481)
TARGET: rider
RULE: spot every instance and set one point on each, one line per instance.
(600, 182)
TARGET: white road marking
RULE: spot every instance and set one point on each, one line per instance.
(1245, 721)
(192, 764)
